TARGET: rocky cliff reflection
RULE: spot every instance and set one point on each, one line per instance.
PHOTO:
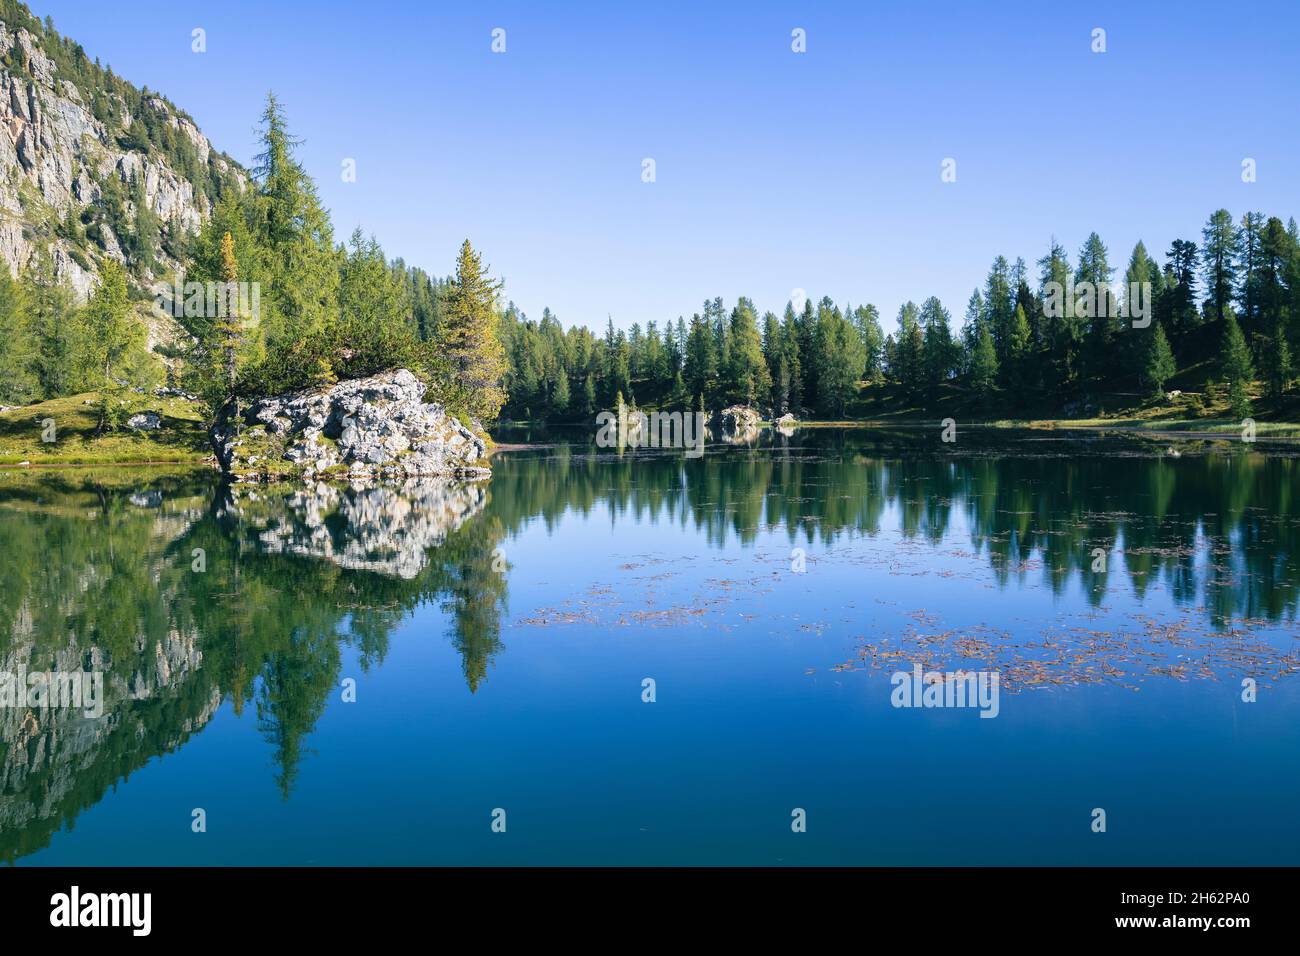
(185, 595)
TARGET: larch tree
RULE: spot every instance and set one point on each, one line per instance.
(1219, 253)
(1238, 371)
(469, 339)
(228, 319)
(19, 383)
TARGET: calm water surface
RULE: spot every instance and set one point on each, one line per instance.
(499, 634)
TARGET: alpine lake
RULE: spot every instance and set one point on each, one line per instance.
(642, 657)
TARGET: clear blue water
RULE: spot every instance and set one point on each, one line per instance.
(521, 688)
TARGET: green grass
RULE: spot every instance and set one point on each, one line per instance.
(1193, 411)
(182, 437)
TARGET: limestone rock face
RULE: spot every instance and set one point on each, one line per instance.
(370, 427)
(54, 149)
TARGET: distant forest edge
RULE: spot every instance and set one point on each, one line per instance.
(1222, 317)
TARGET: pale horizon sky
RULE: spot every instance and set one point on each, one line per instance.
(775, 170)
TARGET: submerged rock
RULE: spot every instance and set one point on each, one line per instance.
(368, 427)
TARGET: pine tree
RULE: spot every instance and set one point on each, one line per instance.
(468, 336)
(747, 376)
(52, 319)
(1018, 351)
(999, 306)
(791, 362)
(701, 367)
(866, 318)
(1278, 367)
(145, 233)
(840, 359)
(1219, 253)
(1094, 268)
(984, 365)
(1063, 328)
(370, 292)
(295, 233)
(1249, 241)
(1237, 369)
(560, 393)
(19, 381)
(111, 330)
(1159, 366)
(908, 369)
(937, 351)
(1133, 350)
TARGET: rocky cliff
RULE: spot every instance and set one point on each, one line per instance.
(92, 168)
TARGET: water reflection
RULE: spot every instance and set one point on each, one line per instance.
(1220, 523)
(188, 594)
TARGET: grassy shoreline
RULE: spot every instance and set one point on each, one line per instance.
(73, 422)
(182, 440)
(1179, 427)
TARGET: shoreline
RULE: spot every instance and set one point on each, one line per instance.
(1171, 430)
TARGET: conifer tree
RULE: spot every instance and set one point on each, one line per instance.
(747, 374)
(469, 339)
(1219, 253)
(52, 316)
(984, 365)
(111, 331)
(937, 344)
(1159, 366)
(19, 383)
(1237, 368)
(295, 233)
(228, 320)
(1018, 352)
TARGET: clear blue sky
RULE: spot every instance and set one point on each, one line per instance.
(775, 170)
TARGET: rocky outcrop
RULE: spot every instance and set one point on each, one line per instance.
(145, 421)
(376, 427)
(61, 148)
(738, 424)
(738, 418)
(388, 529)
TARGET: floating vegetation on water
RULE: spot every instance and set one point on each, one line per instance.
(1072, 654)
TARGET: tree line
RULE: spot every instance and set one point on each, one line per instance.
(1230, 303)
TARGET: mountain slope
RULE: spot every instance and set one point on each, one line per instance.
(91, 167)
